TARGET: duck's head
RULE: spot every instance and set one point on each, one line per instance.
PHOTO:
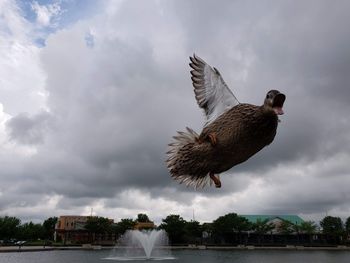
(274, 100)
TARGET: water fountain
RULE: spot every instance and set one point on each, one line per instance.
(142, 245)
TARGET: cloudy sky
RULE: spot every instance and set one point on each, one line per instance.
(92, 91)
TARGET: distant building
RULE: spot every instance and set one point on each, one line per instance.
(70, 222)
(71, 229)
(276, 220)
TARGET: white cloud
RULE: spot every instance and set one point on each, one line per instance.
(22, 76)
(9, 148)
(3, 118)
(46, 14)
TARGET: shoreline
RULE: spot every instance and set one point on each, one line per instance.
(8, 249)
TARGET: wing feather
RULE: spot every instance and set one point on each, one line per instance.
(211, 92)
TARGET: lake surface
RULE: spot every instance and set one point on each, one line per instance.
(183, 256)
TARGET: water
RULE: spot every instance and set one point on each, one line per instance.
(142, 245)
(185, 256)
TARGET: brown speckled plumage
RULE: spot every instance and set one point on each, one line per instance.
(240, 131)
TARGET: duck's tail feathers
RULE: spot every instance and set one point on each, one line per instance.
(193, 181)
(177, 160)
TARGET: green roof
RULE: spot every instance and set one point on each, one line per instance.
(291, 218)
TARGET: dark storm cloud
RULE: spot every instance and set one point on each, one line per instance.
(119, 130)
(313, 193)
(27, 129)
(296, 51)
(115, 105)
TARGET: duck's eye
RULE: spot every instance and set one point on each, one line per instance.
(267, 96)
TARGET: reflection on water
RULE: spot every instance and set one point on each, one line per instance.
(184, 256)
(139, 258)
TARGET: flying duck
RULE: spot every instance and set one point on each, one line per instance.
(233, 131)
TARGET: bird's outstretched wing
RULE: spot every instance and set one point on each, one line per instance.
(212, 93)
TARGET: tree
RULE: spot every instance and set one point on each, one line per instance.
(308, 227)
(286, 227)
(242, 224)
(231, 223)
(125, 224)
(207, 231)
(347, 225)
(225, 226)
(97, 225)
(262, 227)
(30, 231)
(174, 225)
(9, 227)
(332, 227)
(193, 230)
(142, 218)
(49, 227)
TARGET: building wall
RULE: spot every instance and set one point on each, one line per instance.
(144, 225)
(69, 222)
(277, 222)
(71, 229)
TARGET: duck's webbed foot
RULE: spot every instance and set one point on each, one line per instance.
(212, 138)
(215, 179)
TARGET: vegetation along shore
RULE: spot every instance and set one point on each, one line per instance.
(230, 231)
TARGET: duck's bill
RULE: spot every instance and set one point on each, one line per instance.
(278, 110)
(278, 103)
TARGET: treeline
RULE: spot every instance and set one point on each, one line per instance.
(234, 230)
(230, 229)
(12, 229)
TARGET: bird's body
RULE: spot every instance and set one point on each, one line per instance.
(229, 139)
